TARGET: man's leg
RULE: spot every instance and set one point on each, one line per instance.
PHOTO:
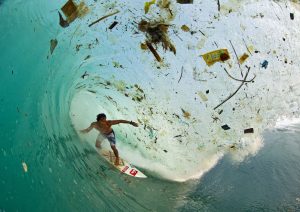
(113, 147)
(98, 141)
(98, 144)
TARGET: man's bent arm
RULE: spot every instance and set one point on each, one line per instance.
(88, 129)
(114, 122)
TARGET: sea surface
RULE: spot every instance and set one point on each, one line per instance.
(46, 165)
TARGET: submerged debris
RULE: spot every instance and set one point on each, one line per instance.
(25, 167)
(185, 28)
(225, 127)
(113, 25)
(104, 17)
(186, 114)
(154, 52)
(84, 75)
(249, 130)
(53, 44)
(202, 96)
(243, 58)
(148, 5)
(265, 64)
(72, 11)
(157, 33)
(220, 55)
(185, 1)
(62, 22)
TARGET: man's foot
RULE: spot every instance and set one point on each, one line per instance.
(117, 162)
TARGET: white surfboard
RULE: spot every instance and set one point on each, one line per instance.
(124, 166)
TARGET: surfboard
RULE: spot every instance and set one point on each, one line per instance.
(124, 166)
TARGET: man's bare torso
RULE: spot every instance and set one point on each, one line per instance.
(103, 127)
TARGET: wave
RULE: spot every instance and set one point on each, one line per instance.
(181, 135)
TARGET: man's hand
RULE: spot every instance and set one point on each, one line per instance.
(83, 131)
(134, 124)
(87, 129)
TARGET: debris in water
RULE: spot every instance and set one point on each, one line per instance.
(181, 74)
(185, 1)
(249, 130)
(165, 151)
(87, 57)
(292, 16)
(117, 65)
(186, 114)
(225, 127)
(157, 33)
(104, 17)
(231, 95)
(220, 55)
(62, 22)
(148, 5)
(243, 58)
(202, 96)
(25, 168)
(84, 75)
(144, 46)
(70, 11)
(185, 28)
(53, 44)
(113, 25)
(265, 64)
(154, 52)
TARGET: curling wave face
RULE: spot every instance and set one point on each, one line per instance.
(181, 135)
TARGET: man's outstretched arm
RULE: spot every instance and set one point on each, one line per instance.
(114, 122)
(88, 129)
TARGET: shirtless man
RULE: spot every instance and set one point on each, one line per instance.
(104, 128)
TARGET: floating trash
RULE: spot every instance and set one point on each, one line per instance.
(25, 167)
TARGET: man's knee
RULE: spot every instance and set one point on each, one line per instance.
(98, 144)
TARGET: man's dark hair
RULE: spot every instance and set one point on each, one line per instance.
(100, 116)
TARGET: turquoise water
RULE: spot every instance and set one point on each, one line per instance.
(66, 174)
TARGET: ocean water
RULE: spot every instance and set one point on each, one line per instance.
(192, 164)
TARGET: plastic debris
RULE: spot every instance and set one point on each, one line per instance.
(104, 17)
(265, 64)
(186, 114)
(202, 96)
(25, 167)
(154, 52)
(156, 32)
(185, 28)
(147, 5)
(292, 16)
(53, 44)
(249, 130)
(84, 75)
(225, 127)
(144, 46)
(113, 25)
(243, 58)
(62, 22)
(70, 11)
(185, 1)
(220, 55)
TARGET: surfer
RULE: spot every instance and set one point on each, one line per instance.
(104, 128)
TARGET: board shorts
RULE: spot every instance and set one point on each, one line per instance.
(110, 137)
